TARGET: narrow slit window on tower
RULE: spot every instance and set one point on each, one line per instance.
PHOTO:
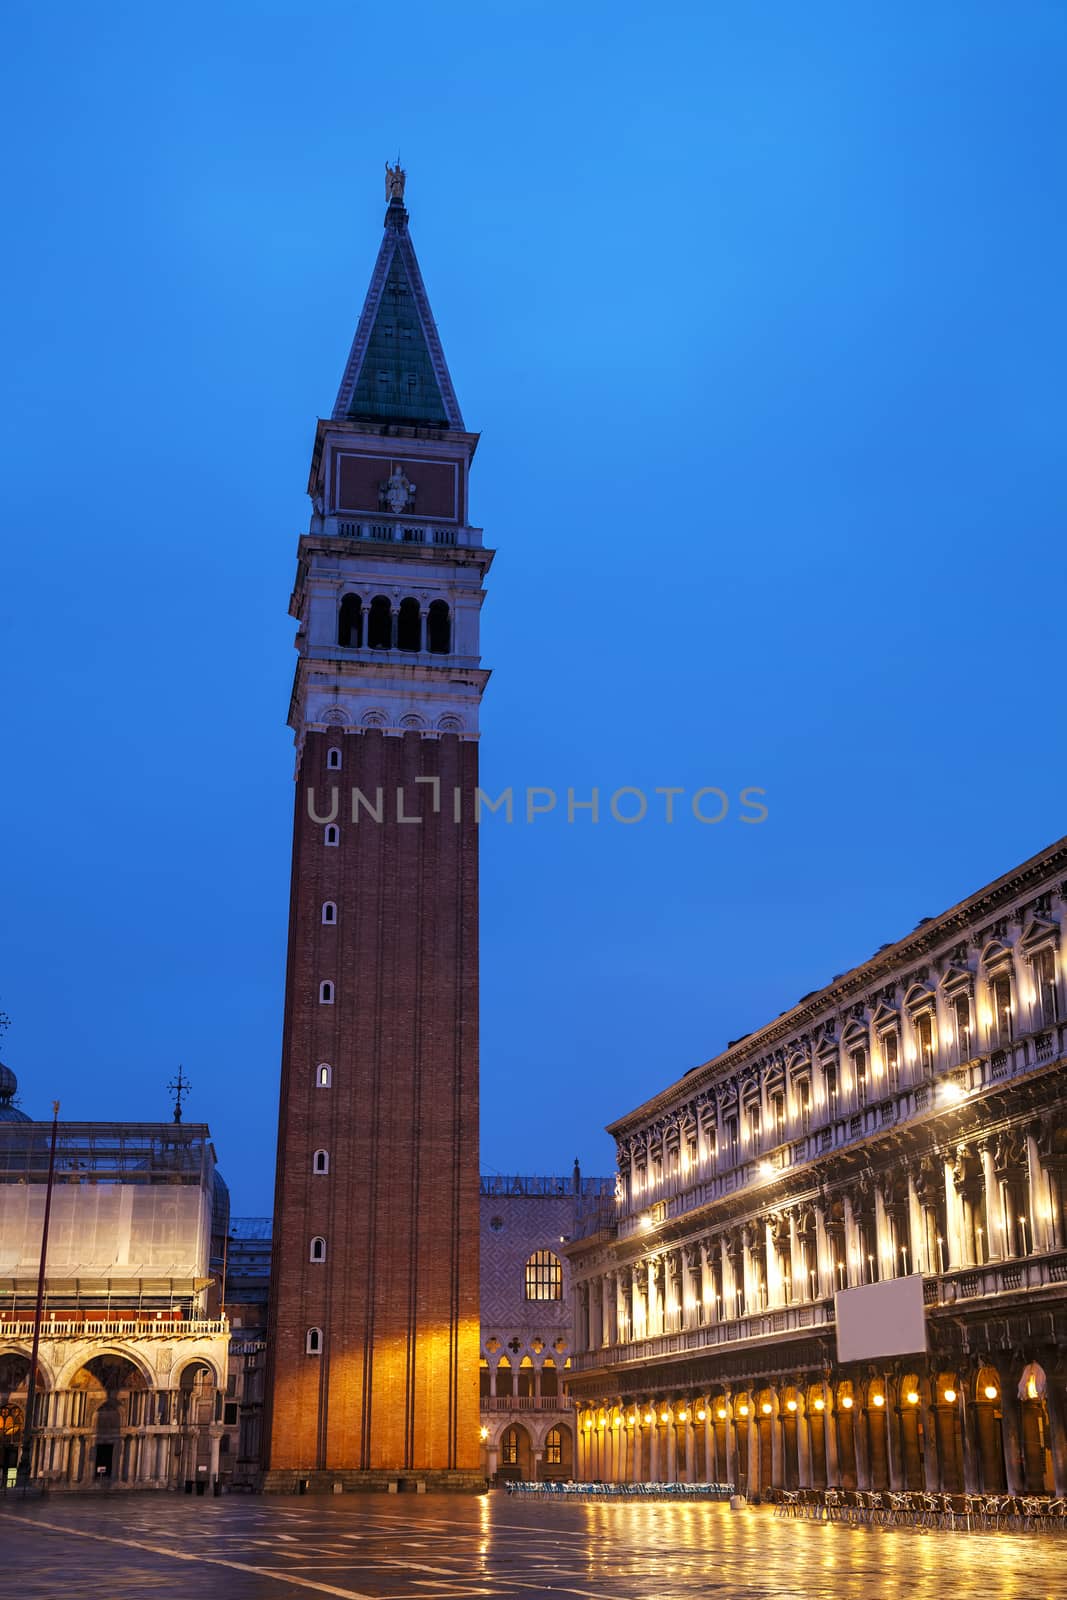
(409, 624)
(333, 833)
(329, 911)
(313, 1342)
(350, 624)
(326, 993)
(333, 760)
(318, 1249)
(380, 624)
(321, 1163)
(323, 1075)
(439, 628)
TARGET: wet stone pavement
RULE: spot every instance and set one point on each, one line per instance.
(452, 1547)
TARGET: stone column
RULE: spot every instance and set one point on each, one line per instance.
(917, 1261)
(653, 1446)
(690, 1448)
(671, 1429)
(596, 1313)
(1040, 1208)
(777, 1444)
(709, 1444)
(953, 1248)
(968, 1433)
(1057, 1420)
(994, 1236)
(833, 1462)
(1011, 1428)
(804, 1472)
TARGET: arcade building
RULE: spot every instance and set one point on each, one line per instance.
(132, 1366)
(908, 1120)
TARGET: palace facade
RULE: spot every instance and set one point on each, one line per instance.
(132, 1367)
(908, 1120)
(527, 1427)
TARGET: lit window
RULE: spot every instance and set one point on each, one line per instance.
(859, 1074)
(1045, 982)
(333, 833)
(829, 1075)
(323, 1076)
(329, 911)
(891, 1057)
(333, 760)
(1001, 994)
(509, 1448)
(321, 1162)
(924, 1034)
(554, 1448)
(326, 993)
(544, 1276)
(318, 1249)
(961, 1010)
(313, 1342)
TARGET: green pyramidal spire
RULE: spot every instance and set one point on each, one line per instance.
(396, 371)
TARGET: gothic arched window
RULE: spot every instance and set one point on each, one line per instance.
(544, 1276)
(350, 623)
(409, 626)
(439, 628)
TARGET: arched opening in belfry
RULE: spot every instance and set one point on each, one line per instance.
(409, 626)
(439, 628)
(380, 624)
(350, 622)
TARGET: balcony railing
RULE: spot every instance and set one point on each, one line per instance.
(526, 1402)
(409, 533)
(111, 1327)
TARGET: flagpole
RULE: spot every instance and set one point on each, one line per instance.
(22, 1477)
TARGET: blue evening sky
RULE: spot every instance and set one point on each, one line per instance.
(760, 311)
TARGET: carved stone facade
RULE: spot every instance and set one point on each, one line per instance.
(527, 1422)
(133, 1359)
(909, 1119)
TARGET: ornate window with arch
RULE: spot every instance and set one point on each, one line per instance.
(318, 1249)
(554, 1448)
(438, 628)
(544, 1276)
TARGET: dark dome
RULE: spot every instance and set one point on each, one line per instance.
(8, 1089)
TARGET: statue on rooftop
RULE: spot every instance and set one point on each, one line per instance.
(395, 178)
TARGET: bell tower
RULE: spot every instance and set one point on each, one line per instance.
(374, 1343)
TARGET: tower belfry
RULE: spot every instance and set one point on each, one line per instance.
(374, 1301)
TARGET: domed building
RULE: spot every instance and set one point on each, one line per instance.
(9, 1084)
(134, 1349)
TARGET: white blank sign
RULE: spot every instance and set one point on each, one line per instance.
(881, 1319)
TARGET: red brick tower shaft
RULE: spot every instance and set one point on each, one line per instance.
(373, 1351)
